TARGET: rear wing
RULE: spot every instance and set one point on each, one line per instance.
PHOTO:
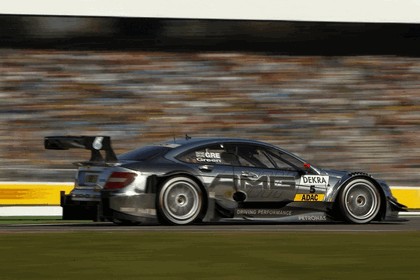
(93, 143)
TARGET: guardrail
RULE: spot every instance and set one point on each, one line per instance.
(43, 199)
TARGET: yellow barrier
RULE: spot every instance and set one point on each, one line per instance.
(18, 193)
(410, 197)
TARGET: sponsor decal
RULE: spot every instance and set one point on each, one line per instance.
(312, 218)
(309, 197)
(208, 157)
(97, 143)
(127, 209)
(138, 211)
(314, 180)
(91, 178)
(151, 212)
(265, 212)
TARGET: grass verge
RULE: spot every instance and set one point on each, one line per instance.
(182, 255)
(35, 220)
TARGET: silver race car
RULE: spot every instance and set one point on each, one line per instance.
(188, 181)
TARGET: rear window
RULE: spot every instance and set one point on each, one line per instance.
(144, 153)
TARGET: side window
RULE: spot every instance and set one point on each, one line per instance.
(253, 156)
(261, 157)
(212, 154)
(282, 161)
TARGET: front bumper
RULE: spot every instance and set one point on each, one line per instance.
(393, 210)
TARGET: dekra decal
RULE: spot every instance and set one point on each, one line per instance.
(314, 180)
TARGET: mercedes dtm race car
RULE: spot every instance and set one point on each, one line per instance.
(216, 179)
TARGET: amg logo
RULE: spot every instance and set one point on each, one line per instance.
(312, 180)
(267, 182)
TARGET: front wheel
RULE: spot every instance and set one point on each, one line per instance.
(180, 201)
(360, 201)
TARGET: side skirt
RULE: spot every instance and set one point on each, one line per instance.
(285, 214)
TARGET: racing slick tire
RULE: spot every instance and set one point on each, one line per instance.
(180, 201)
(360, 201)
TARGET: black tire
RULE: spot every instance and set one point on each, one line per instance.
(360, 201)
(180, 201)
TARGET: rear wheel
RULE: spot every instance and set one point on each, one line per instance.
(180, 201)
(360, 201)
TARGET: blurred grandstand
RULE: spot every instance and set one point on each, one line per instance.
(343, 96)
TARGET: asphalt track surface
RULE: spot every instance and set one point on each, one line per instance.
(413, 224)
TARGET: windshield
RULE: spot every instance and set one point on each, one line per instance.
(144, 153)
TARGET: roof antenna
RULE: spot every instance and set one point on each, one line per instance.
(187, 137)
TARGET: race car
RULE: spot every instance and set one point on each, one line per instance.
(193, 180)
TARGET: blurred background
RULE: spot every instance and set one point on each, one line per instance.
(341, 95)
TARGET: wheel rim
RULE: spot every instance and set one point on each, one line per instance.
(361, 201)
(181, 201)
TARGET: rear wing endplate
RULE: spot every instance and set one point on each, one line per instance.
(93, 143)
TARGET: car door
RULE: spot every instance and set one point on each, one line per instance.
(213, 166)
(260, 177)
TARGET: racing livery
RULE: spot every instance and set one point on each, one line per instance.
(188, 181)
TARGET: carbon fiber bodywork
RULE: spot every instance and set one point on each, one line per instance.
(220, 179)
